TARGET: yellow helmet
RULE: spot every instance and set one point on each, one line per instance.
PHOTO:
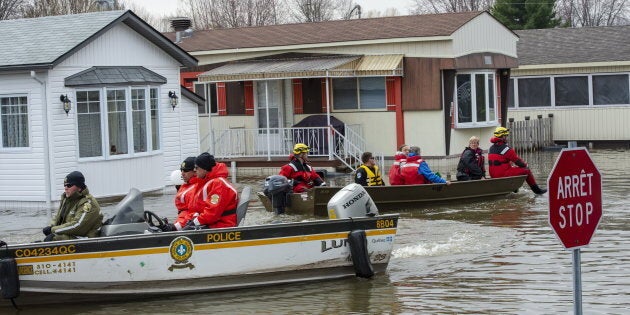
(300, 148)
(501, 132)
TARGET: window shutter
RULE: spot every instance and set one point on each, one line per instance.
(249, 98)
(221, 99)
(298, 100)
(393, 92)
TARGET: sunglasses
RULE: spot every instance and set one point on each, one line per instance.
(68, 185)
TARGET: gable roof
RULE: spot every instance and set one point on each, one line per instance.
(409, 26)
(573, 45)
(44, 42)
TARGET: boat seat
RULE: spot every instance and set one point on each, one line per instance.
(241, 209)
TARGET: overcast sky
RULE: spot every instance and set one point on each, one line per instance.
(163, 7)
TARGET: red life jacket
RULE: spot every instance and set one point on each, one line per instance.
(409, 171)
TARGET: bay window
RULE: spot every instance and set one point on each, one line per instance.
(117, 121)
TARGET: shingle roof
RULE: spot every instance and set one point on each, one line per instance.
(45, 41)
(114, 75)
(327, 32)
(573, 45)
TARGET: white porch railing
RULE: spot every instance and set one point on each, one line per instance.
(278, 142)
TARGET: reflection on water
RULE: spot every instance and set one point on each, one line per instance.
(495, 256)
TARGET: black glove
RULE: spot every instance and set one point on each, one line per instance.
(190, 225)
(49, 237)
(47, 230)
(167, 227)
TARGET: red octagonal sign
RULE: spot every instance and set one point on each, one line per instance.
(575, 197)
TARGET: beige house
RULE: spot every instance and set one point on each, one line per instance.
(581, 76)
(431, 80)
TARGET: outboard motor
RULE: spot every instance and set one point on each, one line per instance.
(351, 201)
(277, 189)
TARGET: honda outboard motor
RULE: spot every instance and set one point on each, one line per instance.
(351, 201)
(277, 188)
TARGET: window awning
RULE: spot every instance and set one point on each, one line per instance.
(96, 76)
(307, 67)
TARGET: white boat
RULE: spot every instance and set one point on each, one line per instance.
(129, 262)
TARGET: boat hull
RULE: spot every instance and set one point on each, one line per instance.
(122, 267)
(387, 198)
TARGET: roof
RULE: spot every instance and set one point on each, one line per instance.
(192, 96)
(409, 26)
(308, 66)
(46, 41)
(573, 45)
(114, 75)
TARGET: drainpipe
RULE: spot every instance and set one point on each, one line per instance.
(47, 157)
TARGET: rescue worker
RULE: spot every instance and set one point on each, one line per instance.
(400, 158)
(215, 199)
(503, 161)
(299, 171)
(368, 173)
(416, 171)
(184, 195)
(79, 213)
(471, 163)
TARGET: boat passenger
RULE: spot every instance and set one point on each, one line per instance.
(399, 159)
(368, 174)
(416, 171)
(215, 199)
(471, 163)
(185, 193)
(299, 171)
(79, 214)
(503, 161)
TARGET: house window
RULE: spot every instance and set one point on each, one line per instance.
(476, 101)
(534, 92)
(610, 89)
(89, 123)
(14, 120)
(571, 91)
(362, 93)
(205, 90)
(118, 121)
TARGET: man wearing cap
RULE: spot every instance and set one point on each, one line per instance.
(214, 202)
(299, 171)
(79, 214)
(185, 193)
(503, 161)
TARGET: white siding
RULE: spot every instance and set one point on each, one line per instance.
(379, 129)
(586, 124)
(484, 34)
(22, 169)
(424, 129)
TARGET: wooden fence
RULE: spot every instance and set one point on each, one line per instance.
(531, 135)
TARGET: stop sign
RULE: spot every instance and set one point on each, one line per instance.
(575, 197)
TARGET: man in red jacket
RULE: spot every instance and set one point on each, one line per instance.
(503, 161)
(215, 200)
(186, 191)
(303, 175)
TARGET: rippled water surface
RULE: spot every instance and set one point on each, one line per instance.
(484, 257)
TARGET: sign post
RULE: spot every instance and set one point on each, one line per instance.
(575, 207)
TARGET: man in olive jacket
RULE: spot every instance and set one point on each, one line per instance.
(79, 214)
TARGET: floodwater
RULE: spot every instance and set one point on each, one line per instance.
(486, 257)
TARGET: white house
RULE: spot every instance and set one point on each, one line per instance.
(90, 92)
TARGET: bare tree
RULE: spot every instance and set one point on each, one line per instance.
(578, 13)
(317, 10)
(444, 6)
(210, 14)
(37, 8)
(10, 8)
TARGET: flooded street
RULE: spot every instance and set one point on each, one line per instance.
(485, 257)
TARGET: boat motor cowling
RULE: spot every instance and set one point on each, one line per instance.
(351, 201)
(277, 188)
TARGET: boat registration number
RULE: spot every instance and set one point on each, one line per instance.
(385, 224)
(46, 251)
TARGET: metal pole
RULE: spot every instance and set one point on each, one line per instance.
(267, 110)
(330, 134)
(233, 167)
(577, 283)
